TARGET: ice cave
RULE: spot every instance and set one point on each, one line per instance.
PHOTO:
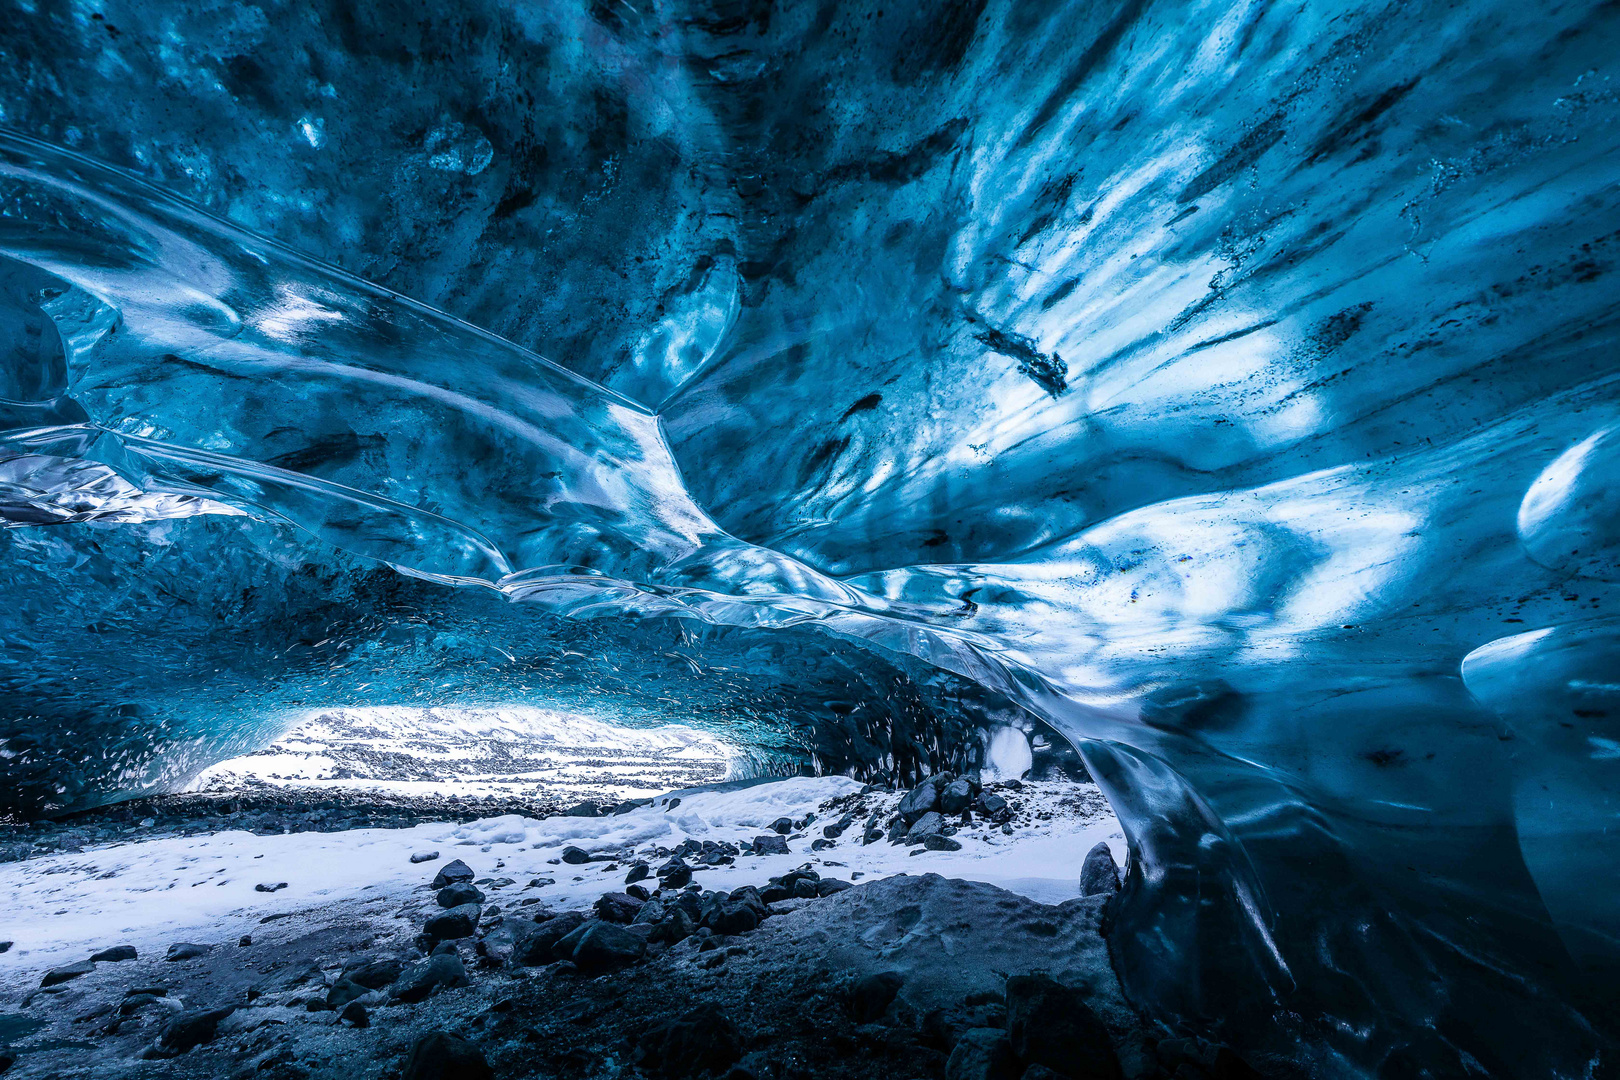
(687, 538)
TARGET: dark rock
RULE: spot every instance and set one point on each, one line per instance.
(957, 797)
(982, 1054)
(920, 800)
(600, 946)
(836, 829)
(782, 826)
(114, 955)
(57, 976)
(702, 1041)
(871, 995)
(1041, 1072)
(265, 886)
(538, 946)
(821, 845)
(344, 991)
(653, 911)
(462, 892)
(373, 974)
(829, 886)
(244, 941)
(928, 825)
(457, 922)
(186, 950)
(5, 946)
(424, 856)
(452, 872)
(639, 892)
(805, 889)
(1099, 874)
(134, 1003)
(422, 978)
(1052, 1025)
(574, 856)
(439, 1055)
(942, 843)
(639, 872)
(617, 907)
(732, 915)
(584, 809)
(191, 1028)
(771, 845)
(992, 805)
(355, 1013)
(675, 874)
(675, 926)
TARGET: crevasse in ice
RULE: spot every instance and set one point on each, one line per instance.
(1231, 387)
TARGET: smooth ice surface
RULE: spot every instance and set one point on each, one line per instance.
(1230, 387)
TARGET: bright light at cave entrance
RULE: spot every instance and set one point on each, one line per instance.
(510, 751)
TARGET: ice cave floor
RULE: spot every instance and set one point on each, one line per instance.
(264, 946)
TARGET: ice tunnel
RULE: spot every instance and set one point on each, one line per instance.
(1232, 388)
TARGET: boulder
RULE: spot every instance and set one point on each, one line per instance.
(600, 946)
(617, 907)
(920, 800)
(538, 946)
(462, 892)
(639, 872)
(928, 825)
(993, 805)
(58, 975)
(1052, 1025)
(186, 950)
(452, 872)
(782, 826)
(191, 1028)
(957, 797)
(871, 995)
(675, 926)
(374, 974)
(114, 955)
(416, 982)
(829, 886)
(575, 856)
(771, 845)
(1099, 874)
(700, 1042)
(344, 991)
(583, 809)
(356, 1014)
(732, 915)
(457, 922)
(982, 1054)
(424, 856)
(937, 842)
(439, 1055)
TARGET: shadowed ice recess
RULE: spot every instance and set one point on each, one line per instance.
(1229, 387)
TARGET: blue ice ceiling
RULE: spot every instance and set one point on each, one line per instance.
(1230, 386)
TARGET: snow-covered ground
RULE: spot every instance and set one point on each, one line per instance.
(514, 751)
(151, 893)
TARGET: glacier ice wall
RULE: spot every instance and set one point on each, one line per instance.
(1232, 387)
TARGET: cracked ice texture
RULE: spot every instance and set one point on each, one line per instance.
(1230, 386)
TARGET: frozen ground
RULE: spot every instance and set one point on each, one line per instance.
(509, 752)
(153, 892)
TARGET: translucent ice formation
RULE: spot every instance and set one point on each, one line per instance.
(1231, 387)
